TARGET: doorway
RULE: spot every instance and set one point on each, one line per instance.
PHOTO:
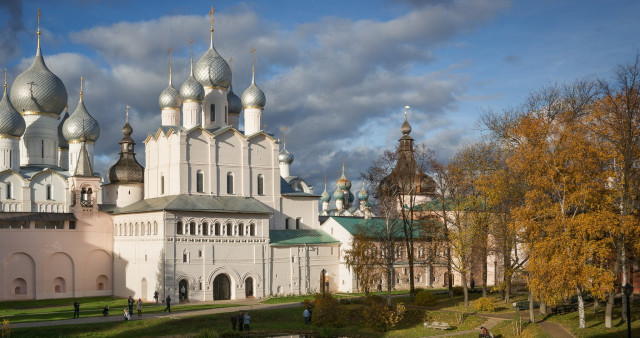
(221, 287)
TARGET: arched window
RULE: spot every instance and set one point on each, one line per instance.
(185, 256)
(217, 229)
(229, 183)
(161, 184)
(49, 192)
(137, 230)
(192, 229)
(179, 228)
(205, 229)
(213, 112)
(130, 229)
(229, 229)
(260, 184)
(252, 229)
(298, 223)
(86, 198)
(9, 191)
(155, 228)
(148, 228)
(199, 181)
(240, 229)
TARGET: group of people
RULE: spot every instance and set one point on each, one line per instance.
(241, 320)
(307, 315)
(130, 302)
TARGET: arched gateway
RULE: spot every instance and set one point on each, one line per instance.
(221, 287)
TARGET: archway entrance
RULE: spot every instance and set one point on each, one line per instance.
(248, 287)
(183, 288)
(221, 287)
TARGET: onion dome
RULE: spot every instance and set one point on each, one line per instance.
(338, 194)
(285, 156)
(38, 90)
(343, 182)
(253, 97)
(212, 71)
(325, 197)
(127, 169)
(235, 104)
(62, 142)
(406, 127)
(191, 89)
(81, 123)
(169, 98)
(363, 195)
(11, 122)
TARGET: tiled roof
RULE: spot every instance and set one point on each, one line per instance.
(300, 237)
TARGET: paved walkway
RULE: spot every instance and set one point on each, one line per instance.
(116, 315)
(553, 329)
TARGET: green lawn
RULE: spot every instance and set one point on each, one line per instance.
(595, 323)
(56, 309)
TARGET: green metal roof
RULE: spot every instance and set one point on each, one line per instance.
(377, 225)
(200, 203)
(300, 237)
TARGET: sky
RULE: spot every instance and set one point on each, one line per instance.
(337, 74)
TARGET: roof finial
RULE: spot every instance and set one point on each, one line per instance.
(191, 43)
(342, 165)
(405, 112)
(128, 113)
(284, 136)
(325, 182)
(5, 80)
(211, 13)
(253, 65)
(38, 33)
(81, 81)
(170, 82)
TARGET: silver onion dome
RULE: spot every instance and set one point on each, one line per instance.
(11, 122)
(38, 90)
(235, 104)
(285, 156)
(80, 124)
(325, 197)
(253, 97)
(338, 194)
(212, 70)
(62, 142)
(191, 90)
(169, 98)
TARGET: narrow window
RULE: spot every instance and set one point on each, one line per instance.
(260, 184)
(49, 192)
(213, 112)
(205, 229)
(286, 223)
(217, 229)
(179, 228)
(298, 223)
(185, 257)
(192, 228)
(42, 152)
(155, 228)
(10, 158)
(226, 113)
(241, 229)
(199, 181)
(229, 229)
(161, 184)
(252, 229)
(229, 183)
(9, 191)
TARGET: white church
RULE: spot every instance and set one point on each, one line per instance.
(216, 213)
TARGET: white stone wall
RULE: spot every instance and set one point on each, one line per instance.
(39, 144)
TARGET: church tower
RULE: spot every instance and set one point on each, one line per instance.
(80, 125)
(191, 93)
(253, 102)
(12, 126)
(170, 102)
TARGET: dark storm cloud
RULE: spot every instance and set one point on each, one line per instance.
(11, 16)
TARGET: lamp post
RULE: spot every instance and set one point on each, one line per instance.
(628, 290)
(324, 272)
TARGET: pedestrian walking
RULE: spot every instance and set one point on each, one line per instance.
(139, 307)
(240, 321)
(234, 321)
(155, 296)
(307, 316)
(168, 300)
(76, 309)
(130, 302)
(246, 322)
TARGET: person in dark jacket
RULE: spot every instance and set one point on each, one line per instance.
(168, 300)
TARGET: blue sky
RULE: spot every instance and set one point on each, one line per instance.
(336, 73)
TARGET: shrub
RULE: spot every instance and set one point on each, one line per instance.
(425, 298)
(379, 316)
(485, 304)
(327, 312)
(457, 290)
